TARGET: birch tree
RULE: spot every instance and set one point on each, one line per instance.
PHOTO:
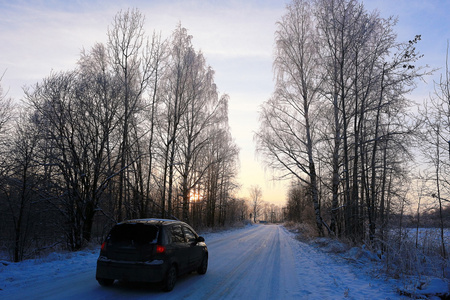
(78, 111)
(130, 55)
(435, 145)
(175, 101)
(288, 120)
(23, 180)
(6, 107)
(339, 102)
(158, 56)
(256, 201)
(220, 162)
(200, 114)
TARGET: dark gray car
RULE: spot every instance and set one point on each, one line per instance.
(151, 250)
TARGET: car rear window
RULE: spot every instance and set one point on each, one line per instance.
(138, 233)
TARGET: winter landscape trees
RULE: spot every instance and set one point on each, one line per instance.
(340, 123)
(435, 146)
(138, 129)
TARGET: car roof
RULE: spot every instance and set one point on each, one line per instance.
(151, 221)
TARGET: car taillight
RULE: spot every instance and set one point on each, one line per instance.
(103, 248)
(160, 249)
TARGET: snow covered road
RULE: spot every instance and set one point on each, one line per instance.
(256, 262)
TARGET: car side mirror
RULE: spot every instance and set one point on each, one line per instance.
(200, 239)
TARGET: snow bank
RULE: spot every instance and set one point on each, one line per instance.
(54, 265)
(417, 287)
(426, 288)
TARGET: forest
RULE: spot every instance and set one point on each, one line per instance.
(365, 159)
(139, 129)
(136, 130)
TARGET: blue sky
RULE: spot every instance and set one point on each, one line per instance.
(236, 38)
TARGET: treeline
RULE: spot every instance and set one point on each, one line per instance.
(429, 218)
(341, 124)
(138, 129)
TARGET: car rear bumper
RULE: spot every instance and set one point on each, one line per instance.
(153, 271)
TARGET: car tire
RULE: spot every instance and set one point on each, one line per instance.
(170, 279)
(203, 266)
(105, 281)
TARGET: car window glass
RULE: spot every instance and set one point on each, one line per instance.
(134, 233)
(190, 236)
(177, 234)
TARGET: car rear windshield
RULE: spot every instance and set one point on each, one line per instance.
(137, 232)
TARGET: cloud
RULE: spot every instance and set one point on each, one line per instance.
(236, 37)
(37, 38)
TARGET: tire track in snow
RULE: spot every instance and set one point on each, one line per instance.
(241, 252)
(232, 236)
(258, 267)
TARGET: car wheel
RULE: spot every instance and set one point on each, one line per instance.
(171, 278)
(203, 266)
(105, 281)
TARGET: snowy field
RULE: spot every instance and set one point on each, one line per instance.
(255, 262)
(429, 236)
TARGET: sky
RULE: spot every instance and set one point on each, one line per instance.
(235, 36)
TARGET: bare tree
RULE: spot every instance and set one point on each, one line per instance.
(339, 103)
(366, 86)
(224, 165)
(299, 205)
(132, 60)
(158, 54)
(175, 101)
(79, 111)
(5, 106)
(286, 136)
(221, 159)
(137, 121)
(201, 114)
(256, 201)
(22, 182)
(16, 174)
(435, 143)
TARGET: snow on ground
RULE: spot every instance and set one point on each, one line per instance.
(255, 262)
